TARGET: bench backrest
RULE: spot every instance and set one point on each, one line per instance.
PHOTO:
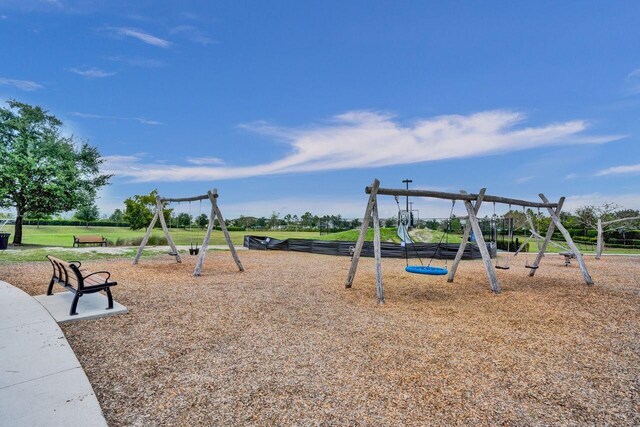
(66, 272)
(88, 239)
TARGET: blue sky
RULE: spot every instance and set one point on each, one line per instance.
(291, 106)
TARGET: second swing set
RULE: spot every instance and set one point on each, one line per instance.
(212, 196)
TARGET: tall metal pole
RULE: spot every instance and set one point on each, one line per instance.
(408, 181)
(411, 222)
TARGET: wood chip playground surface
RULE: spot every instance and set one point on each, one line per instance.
(284, 343)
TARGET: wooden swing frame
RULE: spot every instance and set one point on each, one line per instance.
(212, 196)
(472, 203)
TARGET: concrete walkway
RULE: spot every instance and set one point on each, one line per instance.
(41, 380)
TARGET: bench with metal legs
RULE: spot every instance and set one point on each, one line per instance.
(69, 275)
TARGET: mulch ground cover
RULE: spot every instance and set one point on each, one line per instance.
(284, 343)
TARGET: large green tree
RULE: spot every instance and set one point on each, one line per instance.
(42, 171)
(87, 212)
(202, 220)
(116, 216)
(139, 210)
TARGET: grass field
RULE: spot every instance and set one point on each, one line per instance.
(62, 236)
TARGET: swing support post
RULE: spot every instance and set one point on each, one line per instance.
(363, 233)
(465, 237)
(546, 241)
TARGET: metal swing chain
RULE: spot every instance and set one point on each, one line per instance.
(404, 244)
(446, 233)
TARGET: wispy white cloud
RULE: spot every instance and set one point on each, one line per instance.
(124, 159)
(26, 85)
(571, 176)
(625, 200)
(524, 179)
(618, 170)
(632, 82)
(140, 35)
(103, 117)
(193, 34)
(137, 61)
(205, 160)
(92, 73)
(361, 139)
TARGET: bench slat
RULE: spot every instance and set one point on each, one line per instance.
(90, 239)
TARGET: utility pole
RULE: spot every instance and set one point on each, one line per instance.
(408, 181)
(411, 215)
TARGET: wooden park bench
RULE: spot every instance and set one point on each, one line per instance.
(89, 240)
(69, 275)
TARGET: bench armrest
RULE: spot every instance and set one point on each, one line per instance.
(75, 262)
(99, 272)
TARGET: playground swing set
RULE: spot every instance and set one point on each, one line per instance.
(201, 251)
(472, 203)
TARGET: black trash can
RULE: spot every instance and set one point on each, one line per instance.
(4, 240)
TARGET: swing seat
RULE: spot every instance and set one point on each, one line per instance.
(533, 267)
(425, 269)
(194, 251)
(172, 253)
(502, 267)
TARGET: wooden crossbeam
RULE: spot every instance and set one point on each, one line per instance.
(456, 196)
(187, 199)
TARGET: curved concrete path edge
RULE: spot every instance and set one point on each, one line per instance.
(41, 380)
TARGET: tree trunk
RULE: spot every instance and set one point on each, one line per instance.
(17, 232)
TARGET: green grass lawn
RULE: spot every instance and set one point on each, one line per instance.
(63, 236)
(386, 235)
(40, 254)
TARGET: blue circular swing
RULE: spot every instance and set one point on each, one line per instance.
(403, 233)
(426, 269)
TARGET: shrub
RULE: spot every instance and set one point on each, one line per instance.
(135, 241)
(504, 245)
